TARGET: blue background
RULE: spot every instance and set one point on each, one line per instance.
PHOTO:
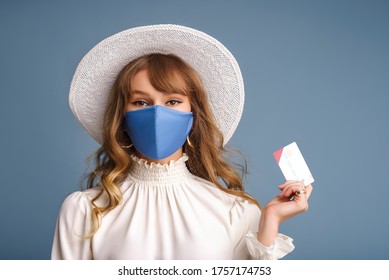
(316, 72)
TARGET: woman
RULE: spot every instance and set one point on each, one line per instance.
(162, 101)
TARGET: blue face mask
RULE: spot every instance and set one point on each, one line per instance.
(158, 132)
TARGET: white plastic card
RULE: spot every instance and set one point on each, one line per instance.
(292, 164)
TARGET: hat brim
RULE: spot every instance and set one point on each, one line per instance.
(216, 66)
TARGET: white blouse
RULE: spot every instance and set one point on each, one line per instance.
(166, 213)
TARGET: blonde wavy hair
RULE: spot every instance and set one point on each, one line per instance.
(167, 73)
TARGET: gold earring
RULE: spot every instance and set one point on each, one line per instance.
(127, 147)
(189, 143)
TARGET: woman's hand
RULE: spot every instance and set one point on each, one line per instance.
(292, 201)
(282, 207)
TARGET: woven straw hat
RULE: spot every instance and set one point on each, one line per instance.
(215, 65)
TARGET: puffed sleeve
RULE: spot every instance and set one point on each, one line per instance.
(73, 226)
(246, 216)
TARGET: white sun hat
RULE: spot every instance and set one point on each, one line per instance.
(216, 66)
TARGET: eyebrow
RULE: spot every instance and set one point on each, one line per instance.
(145, 93)
(139, 92)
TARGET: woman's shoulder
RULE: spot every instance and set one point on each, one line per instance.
(236, 200)
(211, 187)
(79, 200)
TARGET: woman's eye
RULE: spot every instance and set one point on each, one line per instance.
(139, 103)
(173, 102)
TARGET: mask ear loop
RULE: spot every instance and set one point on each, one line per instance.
(127, 147)
(189, 143)
(187, 137)
(124, 130)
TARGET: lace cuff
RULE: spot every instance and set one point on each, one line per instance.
(281, 246)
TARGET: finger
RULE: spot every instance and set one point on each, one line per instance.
(285, 184)
(304, 193)
(301, 201)
(288, 184)
(282, 186)
(291, 187)
(291, 183)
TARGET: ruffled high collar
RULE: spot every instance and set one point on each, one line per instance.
(172, 172)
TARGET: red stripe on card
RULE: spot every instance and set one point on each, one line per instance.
(277, 154)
